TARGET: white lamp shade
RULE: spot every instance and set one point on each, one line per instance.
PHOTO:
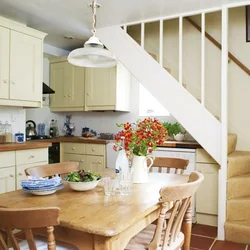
(92, 57)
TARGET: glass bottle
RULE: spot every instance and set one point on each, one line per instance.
(8, 132)
(2, 133)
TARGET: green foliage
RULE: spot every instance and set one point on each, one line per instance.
(173, 128)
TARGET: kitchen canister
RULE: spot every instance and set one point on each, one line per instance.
(19, 137)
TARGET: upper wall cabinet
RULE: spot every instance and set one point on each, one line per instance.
(21, 67)
(87, 89)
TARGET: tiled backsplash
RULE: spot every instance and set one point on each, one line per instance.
(16, 117)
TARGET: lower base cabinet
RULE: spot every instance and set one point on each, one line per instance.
(76, 158)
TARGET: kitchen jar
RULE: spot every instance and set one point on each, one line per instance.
(8, 132)
(19, 137)
(2, 133)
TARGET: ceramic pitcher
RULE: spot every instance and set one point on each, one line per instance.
(140, 168)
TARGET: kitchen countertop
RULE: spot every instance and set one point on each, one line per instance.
(74, 139)
(26, 145)
(181, 144)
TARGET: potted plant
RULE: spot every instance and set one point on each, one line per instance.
(140, 139)
(175, 131)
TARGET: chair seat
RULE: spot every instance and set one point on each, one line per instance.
(142, 240)
(41, 244)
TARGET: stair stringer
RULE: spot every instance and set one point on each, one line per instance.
(196, 119)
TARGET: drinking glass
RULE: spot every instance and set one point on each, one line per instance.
(125, 182)
(110, 185)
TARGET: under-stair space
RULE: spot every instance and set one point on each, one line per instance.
(237, 226)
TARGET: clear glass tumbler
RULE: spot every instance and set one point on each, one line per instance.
(125, 182)
(110, 185)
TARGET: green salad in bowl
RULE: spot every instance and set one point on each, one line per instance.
(83, 180)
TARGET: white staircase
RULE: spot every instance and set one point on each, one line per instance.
(196, 119)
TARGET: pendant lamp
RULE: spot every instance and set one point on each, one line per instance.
(93, 54)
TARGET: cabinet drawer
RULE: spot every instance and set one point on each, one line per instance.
(74, 148)
(31, 156)
(7, 159)
(203, 156)
(95, 149)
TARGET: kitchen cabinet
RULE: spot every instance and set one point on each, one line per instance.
(207, 194)
(86, 89)
(68, 82)
(108, 88)
(90, 156)
(21, 65)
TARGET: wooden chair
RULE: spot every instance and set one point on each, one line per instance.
(52, 169)
(27, 219)
(179, 165)
(156, 237)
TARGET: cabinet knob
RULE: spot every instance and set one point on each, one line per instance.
(64, 96)
(99, 162)
(5, 81)
(11, 175)
(81, 160)
(88, 94)
(20, 174)
(73, 148)
(69, 95)
(12, 82)
(32, 156)
(93, 149)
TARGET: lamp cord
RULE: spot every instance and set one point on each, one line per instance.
(94, 16)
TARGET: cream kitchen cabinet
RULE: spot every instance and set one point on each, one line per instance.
(108, 89)
(86, 89)
(207, 194)
(68, 82)
(90, 156)
(21, 67)
(7, 172)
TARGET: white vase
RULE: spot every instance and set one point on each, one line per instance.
(140, 168)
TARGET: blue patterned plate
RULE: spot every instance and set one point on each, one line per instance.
(44, 190)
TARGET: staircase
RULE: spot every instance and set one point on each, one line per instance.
(237, 226)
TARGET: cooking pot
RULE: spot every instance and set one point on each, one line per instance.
(31, 128)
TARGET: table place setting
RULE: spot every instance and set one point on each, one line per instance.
(42, 186)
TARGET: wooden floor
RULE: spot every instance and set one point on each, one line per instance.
(204, 238)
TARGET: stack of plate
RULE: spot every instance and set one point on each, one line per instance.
(40, 186)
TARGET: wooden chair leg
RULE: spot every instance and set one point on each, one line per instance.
(187, 228)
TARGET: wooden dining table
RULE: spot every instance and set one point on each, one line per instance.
(93, 221)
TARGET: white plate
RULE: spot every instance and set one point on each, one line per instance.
(44, 192)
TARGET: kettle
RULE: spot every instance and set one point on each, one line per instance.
(30, 130)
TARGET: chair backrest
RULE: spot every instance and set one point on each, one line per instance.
(26, 219)
(179, 165)
(174, 200)
(52, 169)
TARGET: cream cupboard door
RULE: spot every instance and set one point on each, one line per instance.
(94, 163)
(76, 158)
(207, 194)
(100, 86)
(59, 74)
(7, 179)
(4, 62)
(25, 67)
(76, 86)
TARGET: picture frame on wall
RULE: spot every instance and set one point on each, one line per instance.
(248, 23)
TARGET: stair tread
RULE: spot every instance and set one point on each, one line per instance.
(239, 177)
(237, 154)
(239, 199)
(237, 222)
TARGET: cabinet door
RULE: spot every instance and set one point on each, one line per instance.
(100, 87)
(76, 158)
(7, 179)
(20, 174)
(59, 74)
(94, 163)
(25, 67)
(76, 87)
(4, 62)
(207, 194)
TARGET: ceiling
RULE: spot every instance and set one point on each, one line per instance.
(74, 18)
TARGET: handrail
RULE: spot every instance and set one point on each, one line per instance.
(218, 45)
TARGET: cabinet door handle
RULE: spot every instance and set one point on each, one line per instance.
(93, 149)
(20, 174)
(11, 175)
(32, 156)
(81, 160)
(88, 94)
(99, 162)
(73, 148)
(5, 81)
(12, 82)
(69, 95)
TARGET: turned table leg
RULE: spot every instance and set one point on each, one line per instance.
(187, 228)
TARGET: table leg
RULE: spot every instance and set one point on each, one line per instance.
(187, 228)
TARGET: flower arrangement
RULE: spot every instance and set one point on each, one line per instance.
(140, 138)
